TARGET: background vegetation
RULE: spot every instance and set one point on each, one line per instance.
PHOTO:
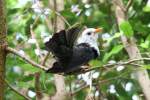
(126, 25)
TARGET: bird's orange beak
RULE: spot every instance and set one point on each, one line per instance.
(97, 30)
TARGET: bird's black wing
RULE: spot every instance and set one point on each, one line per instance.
(82, 54)
(58, 46)
(61, 43)
(72, 35)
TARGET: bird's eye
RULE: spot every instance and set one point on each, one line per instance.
(88, 33)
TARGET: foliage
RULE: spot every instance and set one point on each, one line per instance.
(109, 82)
(126, 28)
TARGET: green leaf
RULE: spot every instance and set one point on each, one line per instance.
(126, 28)
(146, 67)
(115, 50)
(23, 84)
(95, 63)
(27, 78)
(70, 16)
(115, 36)
(28, 67)
(145, 44)
(146, 8)
(106, 57)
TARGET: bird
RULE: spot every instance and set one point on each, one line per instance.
(73, 49)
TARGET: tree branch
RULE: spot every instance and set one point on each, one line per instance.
(119, 63)
(33, 36)
(3, 43)
(58, 14)
(16, 91)
(122, 7)
(99, 82)
(129, 5)
(61, 93)
(79, 89)
(37, 86)
(45, 59)
(11, 50)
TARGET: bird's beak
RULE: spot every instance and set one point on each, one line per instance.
(97, 30)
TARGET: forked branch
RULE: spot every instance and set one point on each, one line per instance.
(11, 50)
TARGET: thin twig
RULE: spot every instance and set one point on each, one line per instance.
(134, 64)
(129, 5)
(11, 50)
(139, 59)
(37, 86)
(45, 58)
(33, 35)
(79, 89)
(113, 78)
(57, 13)
(16, 91)
(119, 63)
(100, 82)
(35, 21)
(108, 65)
(55, 16)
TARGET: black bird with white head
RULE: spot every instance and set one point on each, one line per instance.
(71, 50)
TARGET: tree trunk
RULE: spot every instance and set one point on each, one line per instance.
(2, 48)
(132, 50)
(61, 94)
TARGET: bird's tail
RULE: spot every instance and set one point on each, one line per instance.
(56, 68)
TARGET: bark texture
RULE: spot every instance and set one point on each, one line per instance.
(2, 48)
(132, 50)
(61, 94)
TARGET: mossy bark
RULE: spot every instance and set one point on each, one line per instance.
(2, 48)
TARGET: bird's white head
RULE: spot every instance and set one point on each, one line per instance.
(90, 37)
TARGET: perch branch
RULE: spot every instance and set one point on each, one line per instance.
(11, 50)
(45, 69)
(119, 63)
